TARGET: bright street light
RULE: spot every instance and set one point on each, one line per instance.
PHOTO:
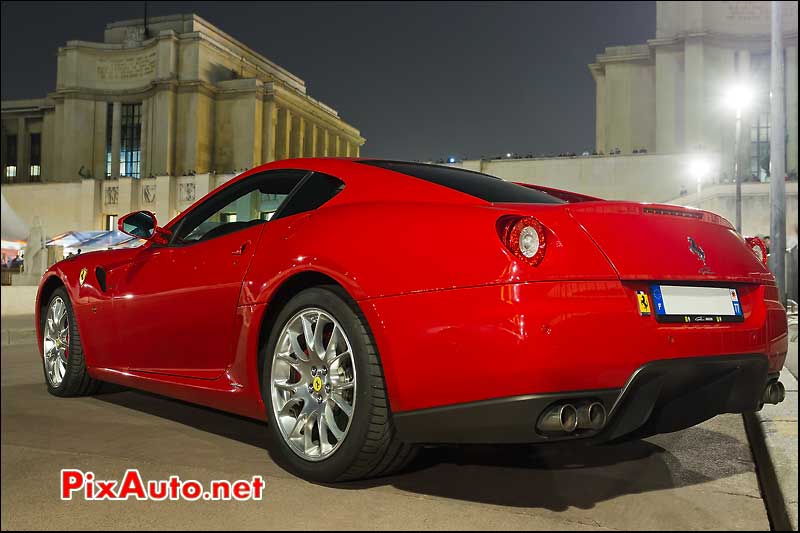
(738, 96)
(699, 169)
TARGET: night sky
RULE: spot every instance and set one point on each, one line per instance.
(420, 80)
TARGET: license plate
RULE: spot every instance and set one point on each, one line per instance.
(696, 305)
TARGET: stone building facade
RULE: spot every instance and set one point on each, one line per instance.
(668, 95)
(178, 97)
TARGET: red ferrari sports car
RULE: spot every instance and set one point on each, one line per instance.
(363, 308)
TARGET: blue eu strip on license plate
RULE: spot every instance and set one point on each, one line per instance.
(696, 305)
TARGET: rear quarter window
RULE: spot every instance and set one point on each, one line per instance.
(483, 186)
(314, 191)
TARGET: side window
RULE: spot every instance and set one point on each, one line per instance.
(252, 201)
(315, 190)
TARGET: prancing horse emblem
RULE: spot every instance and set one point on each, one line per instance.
(696, 250)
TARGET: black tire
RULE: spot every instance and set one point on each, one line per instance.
(76, 380)
(371, 447)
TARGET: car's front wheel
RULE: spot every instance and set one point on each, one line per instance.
(329, 416)
(64, 366)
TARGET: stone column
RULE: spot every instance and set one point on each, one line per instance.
(269, 124)
(284, 129)
(99, 142)
(721, 126)
(162, 155)
(334, 145)
(116, 139)
(743, 76)
(257, 133)
(23, 142)
(791, 108)
(326, 143)
(694, 94)
(144, 164)
(599, 75)
(3, 148)
(357, 149)
(667, 74)
(298, 136)
(310, 149)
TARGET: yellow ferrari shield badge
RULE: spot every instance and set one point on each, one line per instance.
(82, 277)
(317, 384)
(644, 303)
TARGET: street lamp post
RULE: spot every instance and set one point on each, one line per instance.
(736, 175)
(777, 184)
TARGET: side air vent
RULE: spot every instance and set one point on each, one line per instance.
(101, 277)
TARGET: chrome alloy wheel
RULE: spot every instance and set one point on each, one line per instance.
(56, 341)
(313, 384)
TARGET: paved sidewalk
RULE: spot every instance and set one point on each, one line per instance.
(779, 427)
(17, 329)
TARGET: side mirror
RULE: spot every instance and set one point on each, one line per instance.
(143, 225)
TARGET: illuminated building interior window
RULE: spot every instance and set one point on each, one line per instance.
(109, 136)
(36, 155)
(130, 152)
(11, 154)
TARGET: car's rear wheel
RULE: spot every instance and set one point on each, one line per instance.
(62, 359)
(329, 416)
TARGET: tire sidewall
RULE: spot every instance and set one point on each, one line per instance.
(329, 469)
(63, 387)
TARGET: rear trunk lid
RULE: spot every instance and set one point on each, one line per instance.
(664, 242)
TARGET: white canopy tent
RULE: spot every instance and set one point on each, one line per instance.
(89, 241)
(13, 228)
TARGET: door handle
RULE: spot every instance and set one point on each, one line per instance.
(242, 248)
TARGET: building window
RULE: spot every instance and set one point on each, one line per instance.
(11, 156)
(109, 136)
(111, 222)
(130, 152)
(36, 155)
(759, 147)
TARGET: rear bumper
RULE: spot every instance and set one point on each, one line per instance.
(467, 345)
(660, 397)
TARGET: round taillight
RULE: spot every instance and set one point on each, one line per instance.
(759, 249)
(524, 237)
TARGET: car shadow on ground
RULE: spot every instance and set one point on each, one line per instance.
(239, 428)
(553, 477)
(550, 477)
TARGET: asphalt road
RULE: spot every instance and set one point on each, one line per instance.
(701, 478)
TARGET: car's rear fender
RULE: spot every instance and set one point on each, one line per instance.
(380, 249)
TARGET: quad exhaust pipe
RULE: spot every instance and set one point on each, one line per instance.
(591, 416)
(566, 417)
(774, 393)
(561, 418)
